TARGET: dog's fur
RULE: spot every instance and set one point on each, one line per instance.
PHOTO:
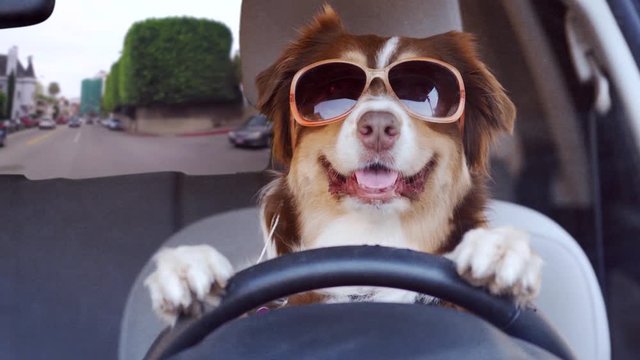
(440, 208)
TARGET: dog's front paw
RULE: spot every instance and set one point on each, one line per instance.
(184, 277)
(501, 260)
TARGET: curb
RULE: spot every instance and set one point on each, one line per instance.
(221, 131)
(209, 132)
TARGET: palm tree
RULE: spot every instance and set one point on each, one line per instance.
(54, 89)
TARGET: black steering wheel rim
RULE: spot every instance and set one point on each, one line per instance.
(365, 266)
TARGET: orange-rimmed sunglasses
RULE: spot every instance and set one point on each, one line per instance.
(327, 91)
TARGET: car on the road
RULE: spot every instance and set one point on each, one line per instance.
(61, 120)
(6, 125)
(3, 135)
(29, 122)
(115, 124)
(74, 122)
(12, 125)
(257, 131)
(46, 123)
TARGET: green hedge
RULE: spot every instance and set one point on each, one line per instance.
(177, 61)
(173, 61)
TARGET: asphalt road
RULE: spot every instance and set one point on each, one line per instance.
(94, 151)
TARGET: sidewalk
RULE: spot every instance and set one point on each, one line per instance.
(218, 131)
(222, 129)
(196, 121)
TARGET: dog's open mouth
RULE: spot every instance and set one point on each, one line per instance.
(376, 183)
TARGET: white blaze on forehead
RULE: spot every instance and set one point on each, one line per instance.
(385, 53)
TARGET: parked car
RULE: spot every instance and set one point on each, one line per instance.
(61, 120)
(12, 125)
(6, 125)
(3, 135)
(255, 132)
(74, 122)
(29, 122)
(115, 124)
(46, 123)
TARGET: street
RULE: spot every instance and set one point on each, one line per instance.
(94, 151)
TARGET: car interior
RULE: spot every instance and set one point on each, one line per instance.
(76, 251)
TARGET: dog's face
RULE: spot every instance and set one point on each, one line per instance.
(381, 157)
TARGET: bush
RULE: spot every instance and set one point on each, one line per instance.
(11, 87)
(176, 61)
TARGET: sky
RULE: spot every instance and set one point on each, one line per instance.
(83, 37)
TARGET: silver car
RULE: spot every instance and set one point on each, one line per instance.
(46, 123)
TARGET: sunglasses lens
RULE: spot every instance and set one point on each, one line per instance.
(328, 90)
(426, 88)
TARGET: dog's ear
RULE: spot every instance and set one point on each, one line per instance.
(273, 83)
(488, 109)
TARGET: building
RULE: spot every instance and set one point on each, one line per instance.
(74, 106)
(91, 94)
(25, 83)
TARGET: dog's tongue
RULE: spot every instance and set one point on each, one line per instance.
(376, 179)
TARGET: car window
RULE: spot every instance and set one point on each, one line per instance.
(257, 121)
(156, 85)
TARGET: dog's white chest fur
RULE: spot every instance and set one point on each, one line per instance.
(361, 228)
(371, 227)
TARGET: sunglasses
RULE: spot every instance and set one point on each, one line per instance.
(327, 91)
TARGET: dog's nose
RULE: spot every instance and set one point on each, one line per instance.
(378, 130)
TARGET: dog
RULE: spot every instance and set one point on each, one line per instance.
(385, 141)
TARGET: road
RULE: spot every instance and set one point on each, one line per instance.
(94, 151)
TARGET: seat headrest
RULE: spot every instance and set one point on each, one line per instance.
(266, 27)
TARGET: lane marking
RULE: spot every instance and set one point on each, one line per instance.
(77, 137)
(39, 138)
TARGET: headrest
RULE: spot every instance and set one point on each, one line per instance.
(266, 27)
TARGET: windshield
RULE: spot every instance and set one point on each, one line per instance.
(155, 85)
(152, 90)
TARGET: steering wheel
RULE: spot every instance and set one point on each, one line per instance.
(358, 265)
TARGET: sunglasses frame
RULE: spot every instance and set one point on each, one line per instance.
(382, 74)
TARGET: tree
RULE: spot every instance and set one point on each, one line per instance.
(111, 96)
(56, 110)
(39, 89)
(53, 89)
(11, 88)
(3, 105)
(237, 68)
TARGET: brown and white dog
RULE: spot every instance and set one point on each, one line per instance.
(378, 177)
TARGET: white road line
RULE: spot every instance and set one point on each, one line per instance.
(77, 137)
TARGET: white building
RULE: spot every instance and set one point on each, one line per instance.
(25, 86)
